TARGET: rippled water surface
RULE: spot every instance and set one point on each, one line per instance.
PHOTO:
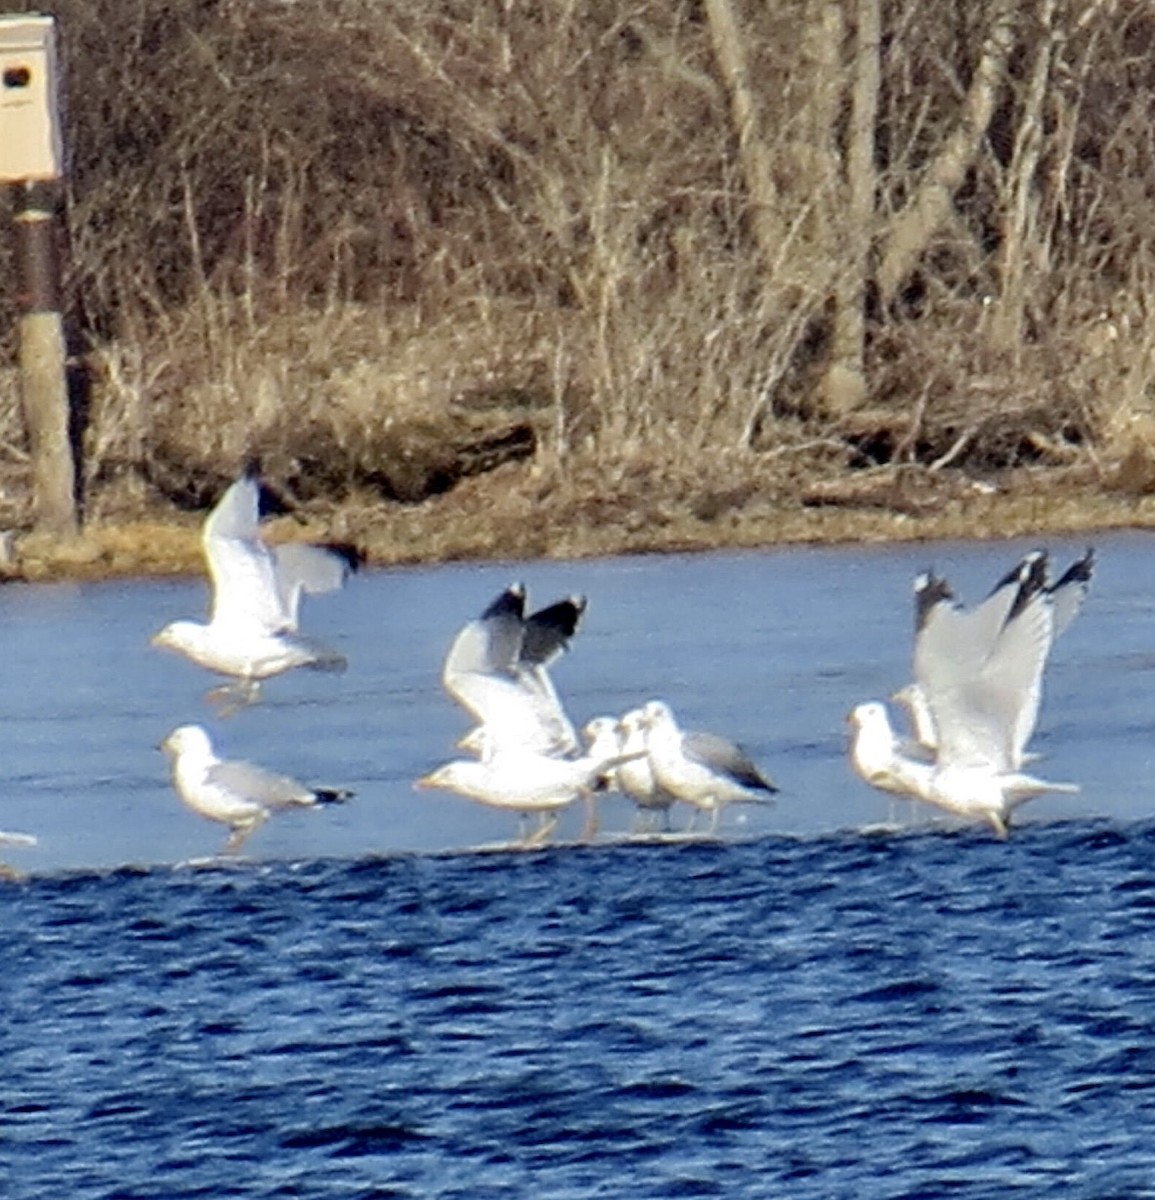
(925, 1015)
(363, 1007)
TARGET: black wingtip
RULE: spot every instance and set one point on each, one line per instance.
(1080, 571)
(328, 795)
(352, 555)
(511, 603)
(1032, 581)
(930, 590)
(548, 631)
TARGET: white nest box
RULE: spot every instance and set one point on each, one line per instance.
(31, 146)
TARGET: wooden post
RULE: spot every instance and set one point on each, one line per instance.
(43, 361)
(32, 160)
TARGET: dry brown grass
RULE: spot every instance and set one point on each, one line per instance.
(390, 249)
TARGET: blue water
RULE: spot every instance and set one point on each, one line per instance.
(366, 1006)
(934, 1014)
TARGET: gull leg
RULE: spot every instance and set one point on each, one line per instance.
(715, 815)
(590, 829)
(238, 837)
(541, 834)
(1000, 826)
(230, 698)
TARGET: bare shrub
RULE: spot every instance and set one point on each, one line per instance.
(385, 245)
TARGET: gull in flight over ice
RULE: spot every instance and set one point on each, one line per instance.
(237, 794)
(252, 633)
(983, 700)
(701, 769)
(497, 669)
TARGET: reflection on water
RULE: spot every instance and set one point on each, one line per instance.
(771, 648)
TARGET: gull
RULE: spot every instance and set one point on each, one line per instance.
(701, 769)
(636, 777)
(252, 633)
(984, 708)
(985, 624)
(237, 794)
(23, 840)
(525, 781)
(602, 738)
(497, 670)
(18, 839)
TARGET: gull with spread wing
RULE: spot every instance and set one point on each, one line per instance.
(497, 669)
(984, 706)
(985, 623)
(252, 633)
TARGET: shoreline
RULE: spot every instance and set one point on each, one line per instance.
(486, 520)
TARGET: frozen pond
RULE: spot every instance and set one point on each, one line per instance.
(771, 648)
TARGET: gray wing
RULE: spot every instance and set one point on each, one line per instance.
(941, 638)
(488, 672)
(985, 712)
(490, 644)
(300, 567)
(266, 788)
(724, 757)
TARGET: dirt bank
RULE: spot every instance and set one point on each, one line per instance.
(520, 511)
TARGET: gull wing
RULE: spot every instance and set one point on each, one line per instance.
(992, 614)
(249, 782)
(300, 567)
(546, 634)
(985, 712)
(723, 756)
(940, 631)
(490, 644)
(495, 669)
(241, 567)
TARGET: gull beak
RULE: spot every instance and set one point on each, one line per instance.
(424, 783)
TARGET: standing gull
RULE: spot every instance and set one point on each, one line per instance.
(525, 781)
(497, 670)
(237, 794)
(701, 769)
(636, 777)
(984, 707)
(252, 633)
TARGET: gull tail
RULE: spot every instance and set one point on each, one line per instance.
(328, 795)
(321, 657)
(1020, 787)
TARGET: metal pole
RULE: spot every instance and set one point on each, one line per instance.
(43, 359)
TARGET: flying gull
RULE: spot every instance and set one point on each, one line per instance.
(253, 633)
(237, 794)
